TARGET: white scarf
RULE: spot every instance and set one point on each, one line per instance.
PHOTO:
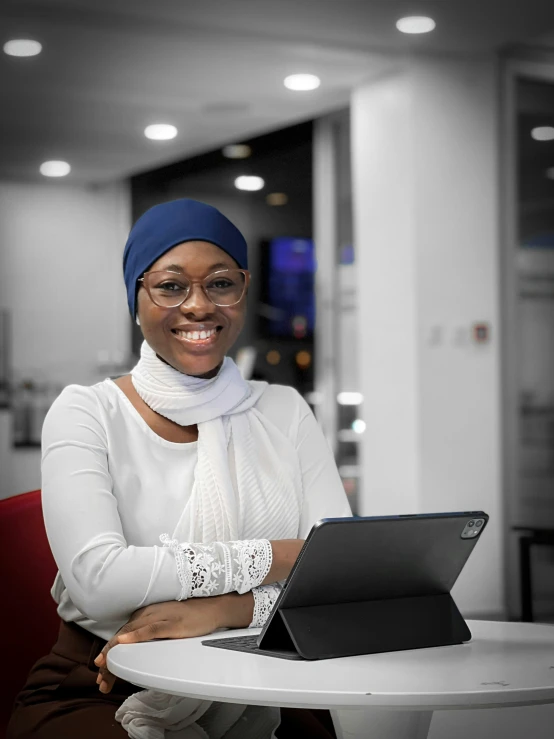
(247, 485)
(247, 482)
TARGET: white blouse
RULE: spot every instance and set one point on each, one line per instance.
(111, 487)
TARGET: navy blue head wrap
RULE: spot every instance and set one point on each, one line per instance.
(168, 224)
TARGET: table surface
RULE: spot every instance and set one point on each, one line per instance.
(505, 664)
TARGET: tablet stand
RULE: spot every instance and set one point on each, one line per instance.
(366, 627)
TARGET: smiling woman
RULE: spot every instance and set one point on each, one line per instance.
(202, 281)
(176, 498)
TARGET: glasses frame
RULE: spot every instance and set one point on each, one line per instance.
(202, 282)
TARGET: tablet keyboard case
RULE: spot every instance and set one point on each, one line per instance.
(389, 581)
(366, 627)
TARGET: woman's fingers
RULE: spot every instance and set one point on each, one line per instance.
(154, 630)
(107, 683)
(105, 679)
(101, 659)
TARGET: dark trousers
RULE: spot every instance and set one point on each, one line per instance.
(61, 699)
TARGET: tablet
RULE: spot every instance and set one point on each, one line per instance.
(372, 584)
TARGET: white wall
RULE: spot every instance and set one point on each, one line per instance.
(61, 277)
(424, 155)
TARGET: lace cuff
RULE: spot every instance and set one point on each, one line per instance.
(264, 600)
(215, 569)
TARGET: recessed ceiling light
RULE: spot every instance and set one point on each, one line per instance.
(55, 168)
(550, 173)
(358, 426)
(236, 151)
(302, 82)
(415, 24)
(249, 182)
(22, 47)
(543, 133)
(277, 198)
(160, 132)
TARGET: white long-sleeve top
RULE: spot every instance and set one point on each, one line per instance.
(111, 486)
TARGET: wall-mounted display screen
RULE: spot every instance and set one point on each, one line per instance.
(290, 287)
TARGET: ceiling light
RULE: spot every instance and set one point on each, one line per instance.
(236, 151)
(22, 47)
(55, 168)
(347, 398)
(160, 132)
(302, 82)
(550, 173)
(415, 24)
(358, 426)
(249, 182)
(276, 198)
(543, 133)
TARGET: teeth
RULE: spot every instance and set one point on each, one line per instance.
(196, 335)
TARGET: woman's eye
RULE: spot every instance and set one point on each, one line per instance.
(222, 283)
(170, 287)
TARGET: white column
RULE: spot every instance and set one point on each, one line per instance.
(384, 193)
(424, 158)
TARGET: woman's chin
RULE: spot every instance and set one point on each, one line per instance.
(203, 369)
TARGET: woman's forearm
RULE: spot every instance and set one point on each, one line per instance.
(285, 552)
(236, 610)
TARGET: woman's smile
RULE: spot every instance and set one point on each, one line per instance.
(200, 336)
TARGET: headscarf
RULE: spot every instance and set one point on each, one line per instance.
(168, 224)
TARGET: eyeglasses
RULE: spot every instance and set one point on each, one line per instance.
(168, 289)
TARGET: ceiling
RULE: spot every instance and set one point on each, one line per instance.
(213, 68)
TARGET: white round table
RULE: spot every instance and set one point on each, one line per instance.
(390, 695)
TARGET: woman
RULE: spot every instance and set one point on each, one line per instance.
(227, 475)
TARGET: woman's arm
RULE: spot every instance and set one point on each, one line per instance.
(175, 620)
(219, 568)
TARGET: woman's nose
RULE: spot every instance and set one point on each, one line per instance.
(197, 302)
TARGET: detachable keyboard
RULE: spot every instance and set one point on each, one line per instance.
(248, 643)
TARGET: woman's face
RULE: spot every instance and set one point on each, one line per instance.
(168, 330)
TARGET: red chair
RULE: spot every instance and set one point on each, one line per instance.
(28, 619)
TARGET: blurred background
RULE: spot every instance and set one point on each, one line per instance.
(394, 179)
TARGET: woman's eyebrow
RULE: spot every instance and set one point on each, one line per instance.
(178, 268)
(219, 265)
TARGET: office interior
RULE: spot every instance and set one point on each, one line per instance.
(406, 216)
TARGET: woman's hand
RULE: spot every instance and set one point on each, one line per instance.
(177, 620)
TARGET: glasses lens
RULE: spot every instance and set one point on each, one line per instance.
(225, 288)
(167, 289)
